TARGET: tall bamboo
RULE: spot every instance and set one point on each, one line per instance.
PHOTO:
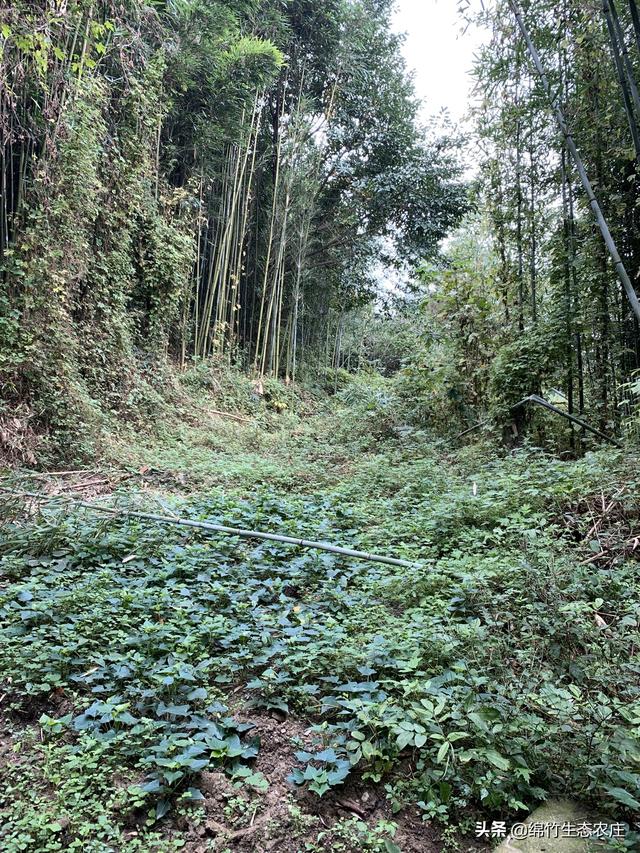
(593, 202)
(633, 86)
(258, 364)
(620, 73)
(635, 17)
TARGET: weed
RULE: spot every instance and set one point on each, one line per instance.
(481, 679)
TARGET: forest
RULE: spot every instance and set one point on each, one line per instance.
(319, 429)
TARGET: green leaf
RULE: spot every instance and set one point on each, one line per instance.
(496, 759)
(404, 739)
(162, 807)
(443, 751)
(193, 794)
(623, 797)
(173, 775)
(479, 721)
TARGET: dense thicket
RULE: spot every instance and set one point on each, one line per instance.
(193, 178)
(531, 298)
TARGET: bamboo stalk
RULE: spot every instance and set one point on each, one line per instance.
(519, 198)
(593, 202)
(633, 87)
(540, 401)
(568, 308)
(620, 73)
(302, 247)
(258, 362)
(220, 528)
(278, 290)
(193, 288)
(242, 223)
(533, 274)
(219, 249)
(635, 17)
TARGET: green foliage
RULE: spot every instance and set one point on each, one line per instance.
(189, 180)
(354, 834)
(95, 245)
(478, 680)
(437, 342)
(392, 177)
(557, 303)
(520, 368)
(249, 55)
(371, 409)
(381, 339)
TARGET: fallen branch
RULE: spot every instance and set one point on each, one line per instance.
(534, 398)
(218, 528)
(235, 835)
(80, 486)
(37, 475)
(591, 559)
(473, 428)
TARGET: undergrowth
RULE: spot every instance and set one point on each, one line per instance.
(500, 670)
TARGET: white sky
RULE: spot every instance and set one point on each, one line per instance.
(439, 53)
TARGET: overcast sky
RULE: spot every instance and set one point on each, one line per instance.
(438, 52)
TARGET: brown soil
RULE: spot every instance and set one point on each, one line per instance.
(285, 818)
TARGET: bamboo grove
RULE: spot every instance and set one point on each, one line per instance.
(197, 179)
(230, 181)
(562, 322)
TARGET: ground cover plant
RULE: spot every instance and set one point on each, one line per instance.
(248, 276)
(146, 668)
